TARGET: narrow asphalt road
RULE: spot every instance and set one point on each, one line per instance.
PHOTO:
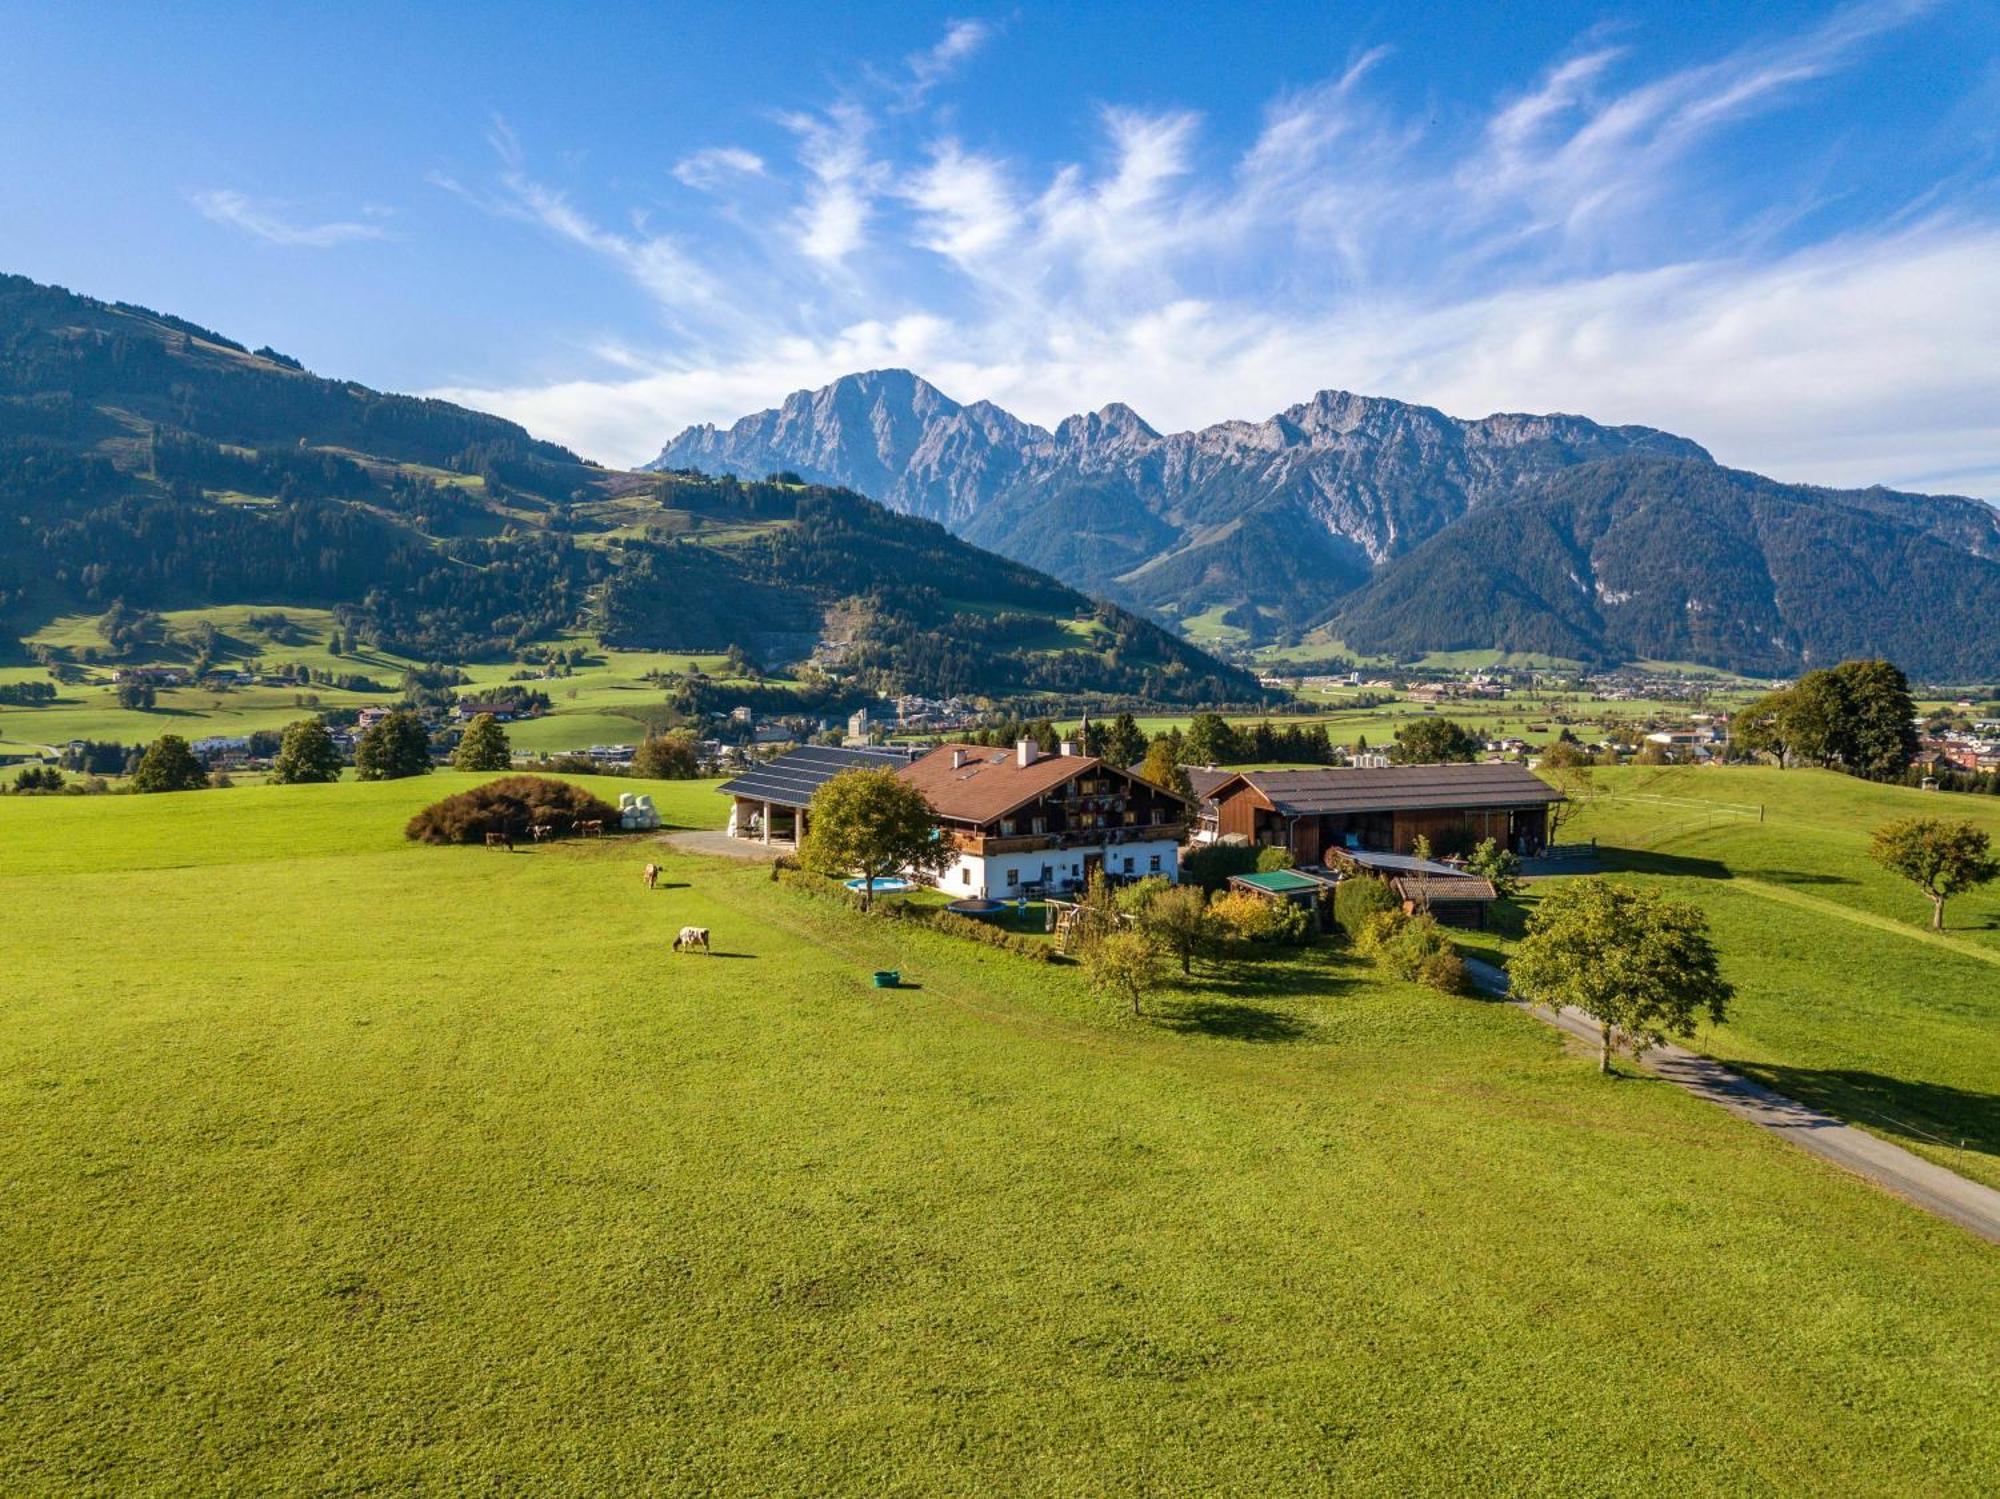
(1930, 1186)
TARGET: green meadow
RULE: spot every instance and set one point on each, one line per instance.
(340, 1164)
(606, 700)
(1844, 998)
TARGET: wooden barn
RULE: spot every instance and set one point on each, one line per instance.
(1317, 813)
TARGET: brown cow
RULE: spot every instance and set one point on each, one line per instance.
(652, 875)
(592, 829)
(500, 840)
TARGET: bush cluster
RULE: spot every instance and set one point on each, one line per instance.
(1357, 900)
(1415, 949)
(1211, 865)
(509, 805)
(1255, 918)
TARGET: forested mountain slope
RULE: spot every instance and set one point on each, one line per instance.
(148, 461)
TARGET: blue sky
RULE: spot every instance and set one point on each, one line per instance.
(1774, 228)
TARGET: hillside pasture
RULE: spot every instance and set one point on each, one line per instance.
(338, 1163)
(1844, 1000)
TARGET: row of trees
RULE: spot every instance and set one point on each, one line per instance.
(1858, 717)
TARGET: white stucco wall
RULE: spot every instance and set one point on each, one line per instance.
(988, 877)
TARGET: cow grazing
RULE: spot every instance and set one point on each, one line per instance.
(652, 875)
(692, 937)
(500, 840)
(543, 831)
(592, 829)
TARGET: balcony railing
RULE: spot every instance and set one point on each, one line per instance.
(1027, 843)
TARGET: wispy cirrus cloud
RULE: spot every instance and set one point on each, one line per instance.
(925, 70)
(711, 167)
(269, 221)
(1513, 258)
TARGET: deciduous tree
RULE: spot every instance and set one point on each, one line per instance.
(1163, 769)
(1125, 965)
(395, 747)
(1178, 920)
(1641, 966)
(672, 756)
(871, 823)
(307, 754)
(169, 765)
(1435, 741)
(1940, 858)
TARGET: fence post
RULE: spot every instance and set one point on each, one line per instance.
(1760, 811)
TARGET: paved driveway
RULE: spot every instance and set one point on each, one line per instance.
(1930, 1186)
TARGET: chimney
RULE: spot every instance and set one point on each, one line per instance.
(958, 759)
(1025, 751)
(1068, 747)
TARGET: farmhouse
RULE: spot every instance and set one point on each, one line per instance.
(1025, 822)
(1317, 812)
(770, 801)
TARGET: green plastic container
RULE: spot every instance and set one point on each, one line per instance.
(888, 978)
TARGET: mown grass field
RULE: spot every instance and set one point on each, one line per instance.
(1844, 999)
(339, 1164)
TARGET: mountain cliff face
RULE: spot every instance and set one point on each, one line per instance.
(1354, 509)
(1281, 515)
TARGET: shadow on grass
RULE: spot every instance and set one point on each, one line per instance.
(1647, 861)
(1235, 1022)
(1795, 877)
(1923, 1113)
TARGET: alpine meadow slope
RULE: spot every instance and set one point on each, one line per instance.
(148, 464)
(1397, 526)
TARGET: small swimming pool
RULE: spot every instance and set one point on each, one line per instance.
(882, 887)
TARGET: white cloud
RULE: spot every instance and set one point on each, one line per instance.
(1510, 262)
(655, 261)
(710, 168)
(833, 147)
(266, 220)
(932, 66)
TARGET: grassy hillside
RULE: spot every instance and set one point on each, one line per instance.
(151, 464)
(1843, 998)
(337, 1163)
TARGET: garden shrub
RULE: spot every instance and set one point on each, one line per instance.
(1253, 918)
(1135, 899)
(510, 805)
(1211, 866)
(1357, 899)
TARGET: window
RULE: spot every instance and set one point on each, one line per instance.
(1131, 818)
(1006, 827)
(1128, 863)
(965, 874)
(1013, 878)
(1156, 863)
(1040, 824)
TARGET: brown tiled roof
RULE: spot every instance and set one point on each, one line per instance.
(1429, 890)
(992, 782)
(1401, 788)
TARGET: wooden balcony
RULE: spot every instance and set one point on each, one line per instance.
(986, 847)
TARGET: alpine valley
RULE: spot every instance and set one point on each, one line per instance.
(1394, 528)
